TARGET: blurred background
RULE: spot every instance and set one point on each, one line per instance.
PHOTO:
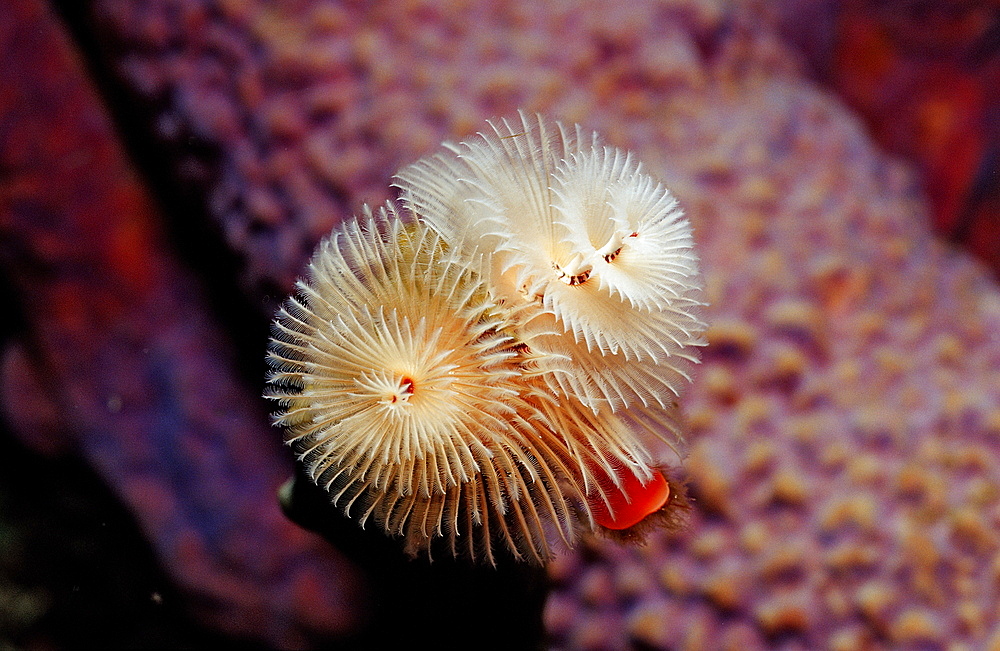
(167, 166)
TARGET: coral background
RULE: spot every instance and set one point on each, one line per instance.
(167, 166)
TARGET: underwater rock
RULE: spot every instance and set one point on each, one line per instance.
(144, 385)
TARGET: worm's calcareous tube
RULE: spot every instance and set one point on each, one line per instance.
(495, 363)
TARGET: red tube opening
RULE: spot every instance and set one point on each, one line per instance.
(631, 503)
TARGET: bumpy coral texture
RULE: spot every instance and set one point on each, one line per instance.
(844, 431)
(414, 378)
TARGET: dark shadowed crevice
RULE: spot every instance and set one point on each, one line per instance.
(181, 197)
(79, 571)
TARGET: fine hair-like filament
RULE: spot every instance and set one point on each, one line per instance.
(398, 387)
(580, 233)
(485, 367)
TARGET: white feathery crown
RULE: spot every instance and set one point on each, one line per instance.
(581, 233)
(486, 365)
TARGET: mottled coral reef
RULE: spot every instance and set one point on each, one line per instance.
(844, 422)
(845, 419)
